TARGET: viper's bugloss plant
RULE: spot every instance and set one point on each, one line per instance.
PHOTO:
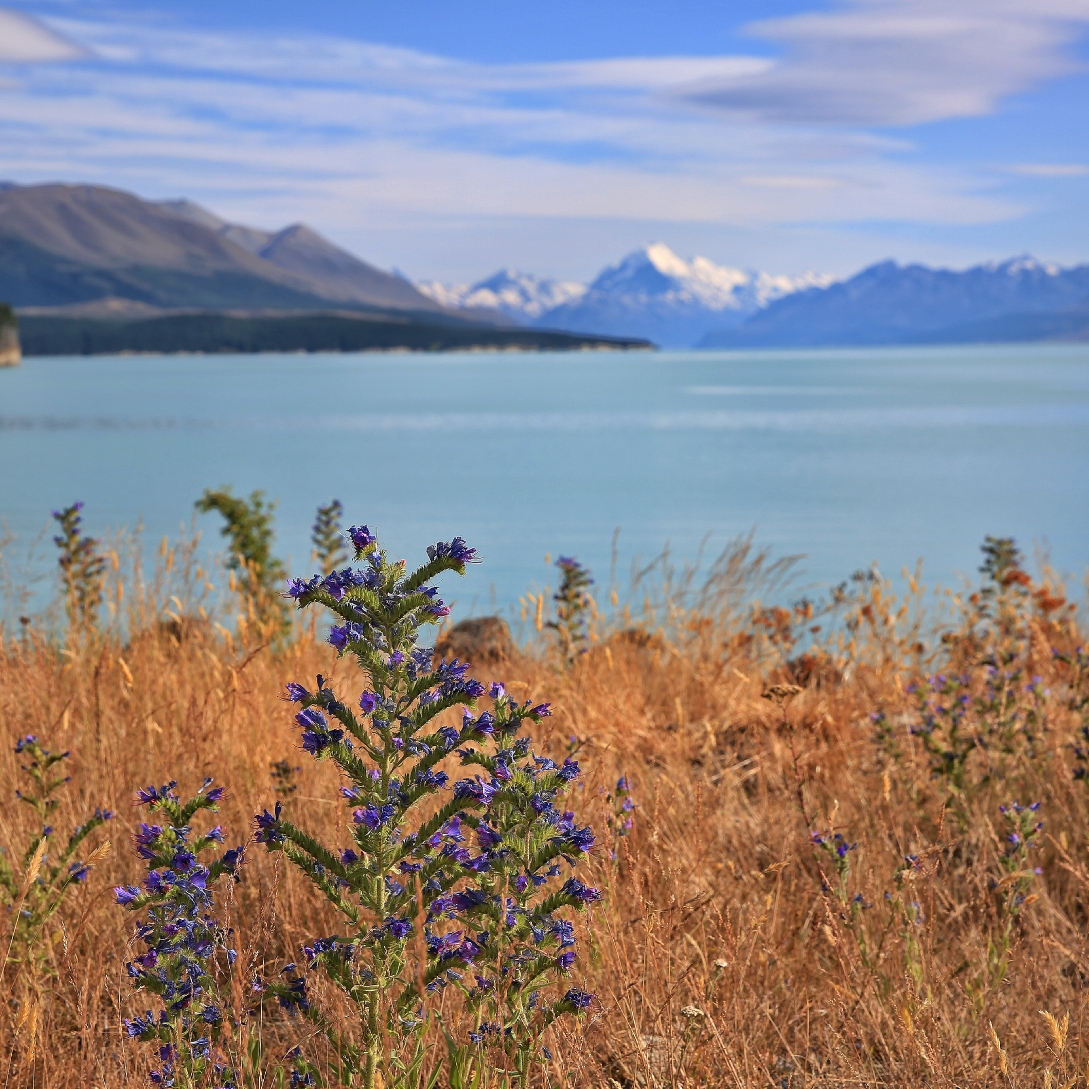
(621, 819)
(990, 718)
(248, 528)
(36, 894)
(82, 567)
(1077, 662)
(1018, 873)
(1013, 889)
(445, 886)
(573, 607)
(328, 539)
(835, 848)
(186, 956)
(1006, 585)
(945, 727)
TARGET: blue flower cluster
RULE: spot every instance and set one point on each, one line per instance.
(995, 712)
(185, 949)
(622, 817)
(836, 849)
(464, 873)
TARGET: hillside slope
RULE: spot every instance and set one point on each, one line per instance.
(303, 252)
(67, 244)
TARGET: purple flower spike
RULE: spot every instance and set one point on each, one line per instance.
(399, 928)
(457, 550)
(457, 858)
(296, 588)
(579, 999)
(310, 717)
(361, 537)
(373, 816)
(574, 887)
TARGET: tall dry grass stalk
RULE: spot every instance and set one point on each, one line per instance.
(730, 950)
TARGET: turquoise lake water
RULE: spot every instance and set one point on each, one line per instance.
(846, 456)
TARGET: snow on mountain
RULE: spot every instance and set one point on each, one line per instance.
(654, 293)
(889, 303)
(517, 295)
(651, 293)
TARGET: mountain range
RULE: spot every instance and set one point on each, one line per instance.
(95, 270)
(88, 253)
(520, 296)
(110, 252)
(1019, 299)
(651, 293)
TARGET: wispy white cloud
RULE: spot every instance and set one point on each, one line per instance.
(393, 155)
(903, 62)
(24, 40)
(791, 181)
(1049, 170)
(351, 135)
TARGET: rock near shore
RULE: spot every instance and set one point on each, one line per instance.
(10, 352)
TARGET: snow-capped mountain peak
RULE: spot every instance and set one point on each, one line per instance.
(1016, 266)
(650, 292)
(657, 273)
(518, 295)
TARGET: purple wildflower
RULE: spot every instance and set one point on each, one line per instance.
(126, 894)
(398, 928)
(575, 888)
(372, 816)
(361, 537)
(457, 550)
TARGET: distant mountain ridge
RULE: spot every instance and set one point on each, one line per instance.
(94, 253)
(63, 245)
(517, 295)
(889, 303)
(651, 293)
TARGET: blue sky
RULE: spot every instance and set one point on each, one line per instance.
(449, 139)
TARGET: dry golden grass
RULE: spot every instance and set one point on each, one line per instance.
(721, 956)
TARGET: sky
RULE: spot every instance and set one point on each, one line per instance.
(448, 139)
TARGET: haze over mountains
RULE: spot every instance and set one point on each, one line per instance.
(89, 252)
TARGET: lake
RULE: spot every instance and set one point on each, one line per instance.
(847, 456)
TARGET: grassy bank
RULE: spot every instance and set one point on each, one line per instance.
(818, 888)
